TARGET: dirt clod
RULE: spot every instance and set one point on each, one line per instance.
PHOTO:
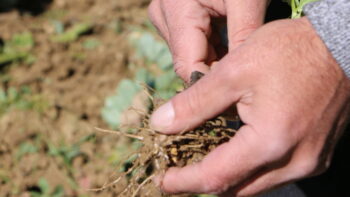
(160, 152)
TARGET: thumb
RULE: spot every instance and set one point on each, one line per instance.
(210, 96)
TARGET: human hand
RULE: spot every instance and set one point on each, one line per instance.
(186, 26)
(292, 97)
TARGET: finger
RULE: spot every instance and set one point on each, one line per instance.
(188, 40)
(208, 97)
(299, 164)
(157, 18)
(266, 182)
(228, 165)
(243, 18)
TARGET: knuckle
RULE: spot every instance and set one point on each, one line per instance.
(241, 34)
(180, 69)
(215, 186)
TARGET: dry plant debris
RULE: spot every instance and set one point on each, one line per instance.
(159, 152)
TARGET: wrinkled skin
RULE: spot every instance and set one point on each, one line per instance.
(291, 94)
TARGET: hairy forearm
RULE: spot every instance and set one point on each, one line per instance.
(331, 19)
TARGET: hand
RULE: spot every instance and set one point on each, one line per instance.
(186, 26)
(292, 97)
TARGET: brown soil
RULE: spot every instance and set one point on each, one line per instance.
(159, 152)
(74, 82)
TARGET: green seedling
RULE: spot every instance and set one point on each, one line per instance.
(73, 33)
(158, 75)
(58, 26)
(11, 57)
(21, 99)
(91, 44)
(69, 152)
(297, 6)
(24, 149)
(4, 177)
(46, 191)
(17, 48)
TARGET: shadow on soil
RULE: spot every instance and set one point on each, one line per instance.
(33, 7)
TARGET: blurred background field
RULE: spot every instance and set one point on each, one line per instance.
(67, 66)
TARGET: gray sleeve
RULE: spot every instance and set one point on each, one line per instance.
(331, 19)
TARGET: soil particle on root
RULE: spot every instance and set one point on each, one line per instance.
(160, 152)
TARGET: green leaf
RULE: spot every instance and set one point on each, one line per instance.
(120, 101)
(73, 33)
(13, 56)
(22, 41)
(163, 79)
(297, 6)
(152, 50)
(91, 44)
(35, 194)
(58, 192)
(143, 76)
(44, 186)
(17, 48)
(58, 25)
(25, 148)
(164, 59)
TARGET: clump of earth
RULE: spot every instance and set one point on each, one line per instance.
(160, 152)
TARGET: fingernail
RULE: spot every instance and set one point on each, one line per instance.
(163, 117)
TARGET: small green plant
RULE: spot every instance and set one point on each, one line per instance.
(4, 177)
(46, 191)
(297, 6)
(69, 152)
(25, 148)
(72, 33)
(17, 48)
(21, 99)
(91, 44)
(158, 74)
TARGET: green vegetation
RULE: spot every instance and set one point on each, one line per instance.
(158, 75)
(17, 48)
(72, 33)
(21, 99)
(46, 191)
(25, 148)
(69, 152)
(91, 44)
(297, 6)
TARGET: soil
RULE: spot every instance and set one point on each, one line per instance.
(58, 143)
(158, 152)
(74, 82)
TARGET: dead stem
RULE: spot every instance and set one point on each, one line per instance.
(139, 112)
(105, 186)
(141, 185)
(120, 133)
